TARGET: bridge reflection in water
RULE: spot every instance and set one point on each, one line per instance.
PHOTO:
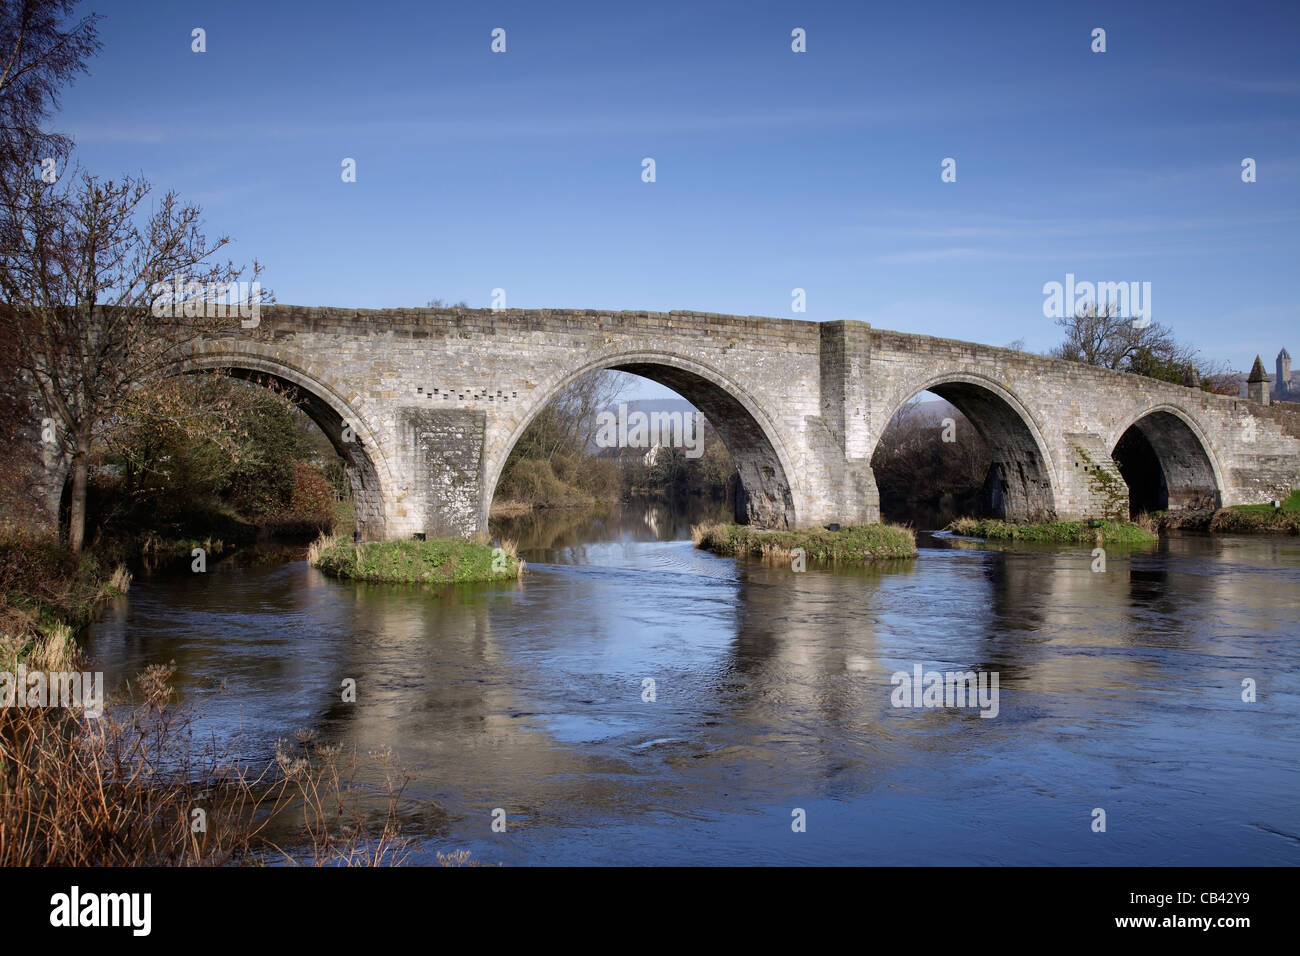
(1119, 689)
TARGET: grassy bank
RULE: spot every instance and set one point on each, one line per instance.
(857, 544)
(1237, 519)
(1232, 521)
(1055, 532)
(45, 592)
(1290, 505)
(438, 561)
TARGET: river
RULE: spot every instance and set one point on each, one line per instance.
(1119, 690)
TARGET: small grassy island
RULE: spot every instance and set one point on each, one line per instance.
(436, 561)
(1122, 533)
(855, 544)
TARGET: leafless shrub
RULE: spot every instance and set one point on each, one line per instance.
(135, 788)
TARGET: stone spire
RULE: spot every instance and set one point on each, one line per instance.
(1257, 383)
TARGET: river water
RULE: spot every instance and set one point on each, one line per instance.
(1118, 690)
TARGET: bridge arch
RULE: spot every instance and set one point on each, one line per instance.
(768, 496)
(1019, 484)
(1165, 459)
(347, 431)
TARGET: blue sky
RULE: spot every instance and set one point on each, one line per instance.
(775, 170)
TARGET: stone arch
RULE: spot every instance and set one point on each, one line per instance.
(1165, 459)
(768, 496)
(1020, 485)
(347, 431)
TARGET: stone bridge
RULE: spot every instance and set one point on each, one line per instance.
(425, 406)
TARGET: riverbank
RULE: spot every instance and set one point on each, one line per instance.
(1122, 533)
(514, 508)
(1237, 519)
(47, 594)
(436, 561)
(855, 544)
(80, 781)
(1231, 521)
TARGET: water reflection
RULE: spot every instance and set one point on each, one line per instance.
(1119, 689)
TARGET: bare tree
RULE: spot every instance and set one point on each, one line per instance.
(42, 48)
(38, 55)
(567, 425)
(84, 276)
(1102, 337)
(926, 454)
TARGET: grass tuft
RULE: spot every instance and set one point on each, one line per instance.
(1123, 533)
(855, 544)
(436, 561)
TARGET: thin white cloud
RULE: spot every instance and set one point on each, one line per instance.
(496, 127)
(1261, 86)
(1018, 255)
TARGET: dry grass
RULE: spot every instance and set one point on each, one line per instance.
(319, 547)
(510, 548)
(1147, 523)
(51, 649)
(119, 582)
(510, 509)
(123, 790)
(458, 858)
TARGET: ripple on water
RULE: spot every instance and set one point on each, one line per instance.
(771, 691)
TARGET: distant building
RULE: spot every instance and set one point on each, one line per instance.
(1285, 388)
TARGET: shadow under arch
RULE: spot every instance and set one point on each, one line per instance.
(766, 499)
(331, 413)
(1019, 484)
(1165, 461)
